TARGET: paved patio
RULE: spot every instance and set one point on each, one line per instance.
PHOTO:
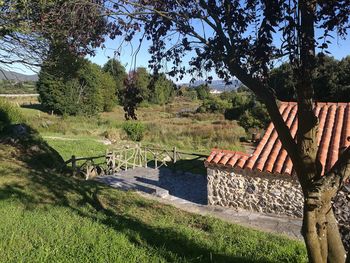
(188, 192)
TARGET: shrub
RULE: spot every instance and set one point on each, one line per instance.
(9, 114)
(135, 130)
(250, 113)
(214, 105)
(203, 91)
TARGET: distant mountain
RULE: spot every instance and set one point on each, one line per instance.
(218, 85)
(10, 75)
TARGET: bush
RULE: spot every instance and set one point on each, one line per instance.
(203, 91)
(188, 93)
(135, 130)
(214, 105)
(249, 112)
(9, 114)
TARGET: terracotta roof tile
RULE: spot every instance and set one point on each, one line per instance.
(269, 156)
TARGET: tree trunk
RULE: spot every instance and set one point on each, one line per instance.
(320, 229)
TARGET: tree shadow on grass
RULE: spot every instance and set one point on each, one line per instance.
(168, 242)
(41, 186)
(34, 106)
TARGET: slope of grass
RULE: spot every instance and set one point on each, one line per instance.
(47, 216)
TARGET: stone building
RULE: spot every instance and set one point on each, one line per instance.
(265, 181)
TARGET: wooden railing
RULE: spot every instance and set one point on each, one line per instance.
(126, 157)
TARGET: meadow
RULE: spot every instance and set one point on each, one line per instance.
(172, 125)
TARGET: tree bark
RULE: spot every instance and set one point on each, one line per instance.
(320, 229)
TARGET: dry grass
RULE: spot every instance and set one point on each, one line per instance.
(171, 125)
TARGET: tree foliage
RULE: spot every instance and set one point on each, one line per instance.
(72, 85)
(162, 89)
(236, 38)
(117, 71)
(330, 80)
(247, 110)
(141, 86)
(214, 104)
(203, 91)
(28, 28)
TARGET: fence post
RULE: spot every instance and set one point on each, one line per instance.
(174, 155)
(126, 159)
(74, 165)
(113, 162)
(145, 157)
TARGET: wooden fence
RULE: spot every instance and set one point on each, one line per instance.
(127, 157)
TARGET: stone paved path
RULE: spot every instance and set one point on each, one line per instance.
(188, 192)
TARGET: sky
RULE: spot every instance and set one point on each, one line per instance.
(338, 49)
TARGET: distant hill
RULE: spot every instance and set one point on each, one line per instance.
(218, 85)
(10, 75)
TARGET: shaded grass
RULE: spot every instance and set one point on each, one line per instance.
(49, 217)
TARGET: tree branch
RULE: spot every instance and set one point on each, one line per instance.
(269, 99)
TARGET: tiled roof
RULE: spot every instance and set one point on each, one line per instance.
(270, 157)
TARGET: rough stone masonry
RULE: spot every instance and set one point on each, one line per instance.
(268, 193)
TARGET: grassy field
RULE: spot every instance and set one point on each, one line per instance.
(19, 88)
(47, 216)
(167, 126)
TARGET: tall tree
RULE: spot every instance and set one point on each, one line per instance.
(343, 87)
(117, 71)
(235, 38)
(28, 28)
(142, 80)
(69, 84)
(162, 89)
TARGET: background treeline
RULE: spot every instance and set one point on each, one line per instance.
(71, 85)
(331, 80)
(240, 105)
(331, 83)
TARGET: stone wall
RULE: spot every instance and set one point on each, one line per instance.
(279, 195)
(342, 212)
(267, 193)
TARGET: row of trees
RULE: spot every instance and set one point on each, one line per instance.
(331, 80)
(69, 84)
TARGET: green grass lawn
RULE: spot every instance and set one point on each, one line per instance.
(47, 216)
